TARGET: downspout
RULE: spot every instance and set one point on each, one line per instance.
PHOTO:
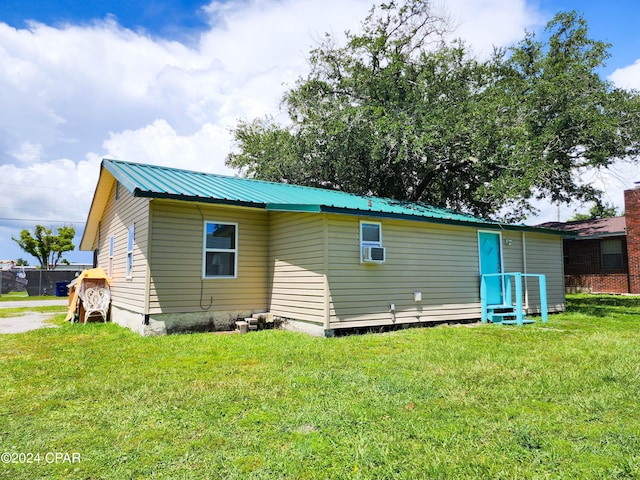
(148, 260)
(270, 264)
(327, 303)
(202, 306)
(625, 261)
(524, 268)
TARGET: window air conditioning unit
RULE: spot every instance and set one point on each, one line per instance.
(373, 254)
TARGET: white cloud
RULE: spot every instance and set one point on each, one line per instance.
(488, 23)
(66, 87)
(52, 193)
(27, 153)
(627, 77)
(613, 181)
(160, 144)
(262, 35)
(74, 94)
(49, 191)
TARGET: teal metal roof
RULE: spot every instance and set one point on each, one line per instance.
(163, 182)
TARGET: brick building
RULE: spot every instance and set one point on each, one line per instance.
(603, 256)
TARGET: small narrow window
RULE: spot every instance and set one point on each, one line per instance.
(117, 190)
(111, 245)
(220, 250)
(611, 254)
(130, 251)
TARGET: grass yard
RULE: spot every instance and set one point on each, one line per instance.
(12, 312)
(23, 296)
(560, 400)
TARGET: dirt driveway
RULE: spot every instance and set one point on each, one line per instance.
(26, 321)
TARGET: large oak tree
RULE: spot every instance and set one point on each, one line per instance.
(400, 112)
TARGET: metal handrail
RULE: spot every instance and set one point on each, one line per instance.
(508, 300)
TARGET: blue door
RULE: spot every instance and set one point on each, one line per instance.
(491, 262)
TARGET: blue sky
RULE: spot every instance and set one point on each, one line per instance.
(179, 20)
(614, 21)
(163, 82)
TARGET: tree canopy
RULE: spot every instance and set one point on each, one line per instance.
(45, 246)
(400, 112)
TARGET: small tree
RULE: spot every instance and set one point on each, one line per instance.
(45, 246)
(599, 210)
(21, 262)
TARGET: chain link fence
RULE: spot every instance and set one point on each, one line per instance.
(37, 282)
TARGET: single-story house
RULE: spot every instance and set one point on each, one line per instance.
(603, 254)
(187, 249)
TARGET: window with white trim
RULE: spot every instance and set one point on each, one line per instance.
(111, 248)
(130, 238)
(370, 234)
(371, 249)
(220, 255)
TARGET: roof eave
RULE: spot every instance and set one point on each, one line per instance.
(443, 221)
(98, 203)
(137, 192)
(600, 235)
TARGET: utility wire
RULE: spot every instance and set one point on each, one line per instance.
(40, 220)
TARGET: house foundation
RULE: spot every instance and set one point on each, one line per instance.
(169, 323)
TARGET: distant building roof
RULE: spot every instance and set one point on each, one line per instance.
(596, 228)
(7, 264)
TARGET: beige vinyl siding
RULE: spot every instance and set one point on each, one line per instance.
(298, 286)
(512, 258)
(544, 255)
(176, 252)
(512, 253)
(127, 210)
(439, 261)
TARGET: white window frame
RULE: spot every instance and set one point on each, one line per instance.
(364, 243)
(111, 249)
(206, 250)
(367, 243)
(130, 246)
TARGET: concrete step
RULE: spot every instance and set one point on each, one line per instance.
(501, 317)
(242, 326)
(256, 321)
(525, 321)
(252, 323)
(266, 316)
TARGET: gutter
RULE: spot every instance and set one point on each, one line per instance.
(315, 208)
(598, 236)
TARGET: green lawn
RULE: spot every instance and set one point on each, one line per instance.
(23, 296)
(12, 312)
(555, 400)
